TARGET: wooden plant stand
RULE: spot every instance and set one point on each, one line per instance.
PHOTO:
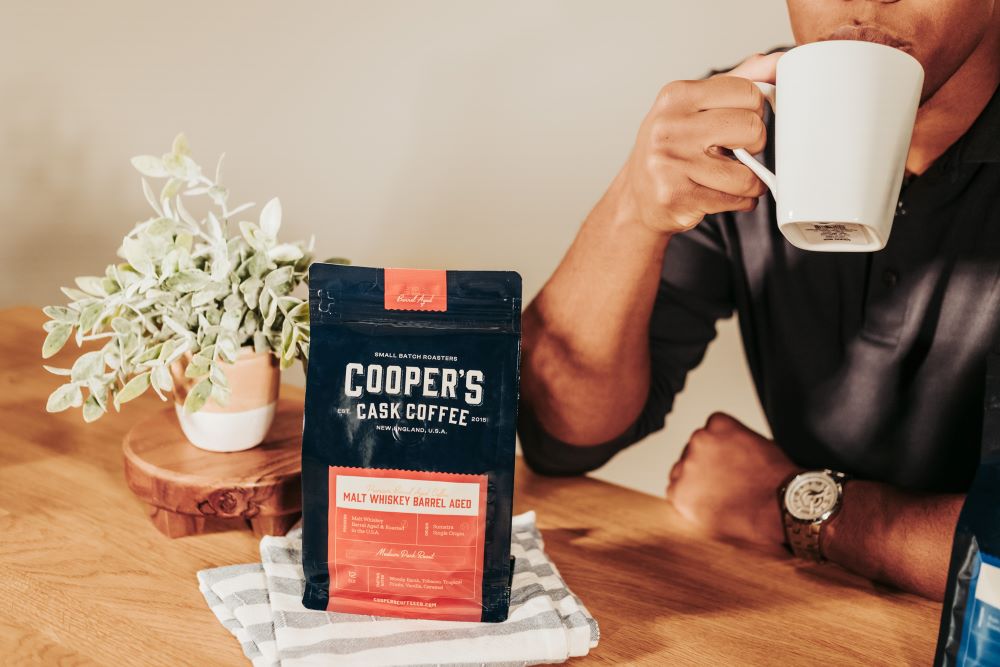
(191, 491)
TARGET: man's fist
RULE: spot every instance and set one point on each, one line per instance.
(727, 480)
(677, 172)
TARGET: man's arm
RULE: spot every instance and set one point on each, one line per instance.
(899, 538)
(587, 329)
(586, 368)
(727, 481)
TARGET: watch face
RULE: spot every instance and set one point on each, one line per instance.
(811, 496)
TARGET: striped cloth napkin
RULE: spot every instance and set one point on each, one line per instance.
(261, 605)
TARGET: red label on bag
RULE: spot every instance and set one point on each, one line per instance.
(406, 543)
(416, 289)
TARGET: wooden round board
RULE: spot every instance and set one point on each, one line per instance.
(191, 491)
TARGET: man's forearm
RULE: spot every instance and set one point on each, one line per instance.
(895, 537)
(588, 328)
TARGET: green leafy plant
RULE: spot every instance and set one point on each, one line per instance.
(190, 291)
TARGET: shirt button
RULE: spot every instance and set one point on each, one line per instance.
(900, 208)
(890, 278)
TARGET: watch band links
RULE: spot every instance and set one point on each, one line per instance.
(804, 538)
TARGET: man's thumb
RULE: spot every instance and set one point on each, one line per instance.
(758, 67)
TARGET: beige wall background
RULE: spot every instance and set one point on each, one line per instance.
(426, 134)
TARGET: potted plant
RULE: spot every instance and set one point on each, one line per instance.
(199, 307)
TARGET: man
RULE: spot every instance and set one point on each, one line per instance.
(869, 364)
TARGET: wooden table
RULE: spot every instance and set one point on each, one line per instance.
(85, 578)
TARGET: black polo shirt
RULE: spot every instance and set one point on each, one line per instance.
(868, 363)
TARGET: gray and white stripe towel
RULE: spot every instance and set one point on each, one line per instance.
(261, 605)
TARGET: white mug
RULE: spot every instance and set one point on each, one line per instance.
(844, 112)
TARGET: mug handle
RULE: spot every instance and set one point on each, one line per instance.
(762, 172)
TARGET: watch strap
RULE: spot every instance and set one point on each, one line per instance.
(803, 537)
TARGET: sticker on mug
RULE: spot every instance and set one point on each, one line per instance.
(833, 233)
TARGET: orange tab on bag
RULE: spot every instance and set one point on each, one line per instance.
(416, 289)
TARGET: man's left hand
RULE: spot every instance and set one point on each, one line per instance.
(727, 479)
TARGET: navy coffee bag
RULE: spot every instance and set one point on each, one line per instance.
(408, 442)
(970, 621)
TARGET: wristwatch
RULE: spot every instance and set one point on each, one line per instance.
(808, 501)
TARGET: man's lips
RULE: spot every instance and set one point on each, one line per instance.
(869, 33)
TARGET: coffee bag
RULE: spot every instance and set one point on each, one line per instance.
(970, 618)
(408, 442)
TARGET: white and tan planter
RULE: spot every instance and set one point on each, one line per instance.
(244, 421)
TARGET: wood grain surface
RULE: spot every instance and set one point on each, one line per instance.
(192, 491)
(85, 578)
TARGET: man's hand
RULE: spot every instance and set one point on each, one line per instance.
(677, 173)
(727, 479)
